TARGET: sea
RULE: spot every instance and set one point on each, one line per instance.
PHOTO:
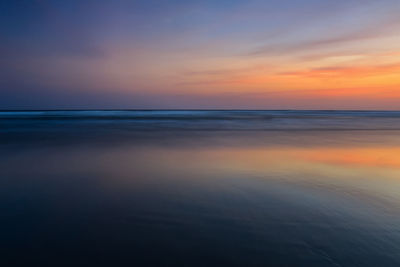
(200, 188)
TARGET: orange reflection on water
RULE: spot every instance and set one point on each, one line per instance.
(368, 157)
(261, 157)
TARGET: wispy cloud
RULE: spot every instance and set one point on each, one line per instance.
(380, 28)
(345, 71)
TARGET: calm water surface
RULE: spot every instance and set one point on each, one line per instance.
(200, 188)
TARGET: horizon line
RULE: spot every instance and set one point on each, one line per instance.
(195, 109)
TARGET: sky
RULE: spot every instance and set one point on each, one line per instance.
(200, 54)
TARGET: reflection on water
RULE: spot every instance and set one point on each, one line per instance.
(105, 191)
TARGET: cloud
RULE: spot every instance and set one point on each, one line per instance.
(379, 28)
(345, 71)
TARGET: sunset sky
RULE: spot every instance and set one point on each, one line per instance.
(245, 54)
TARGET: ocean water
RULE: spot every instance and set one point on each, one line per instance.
(200, 188)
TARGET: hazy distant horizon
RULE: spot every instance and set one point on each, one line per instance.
(196, 109)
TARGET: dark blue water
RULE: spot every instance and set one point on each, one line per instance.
(200, 188)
